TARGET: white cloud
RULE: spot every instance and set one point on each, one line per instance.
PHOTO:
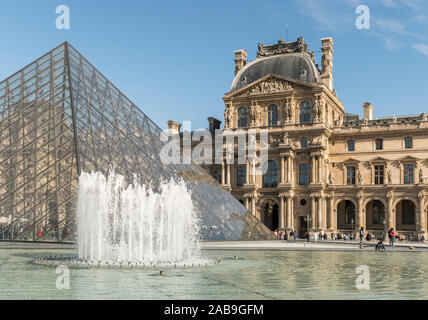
(389, 3)
(390, 25)
(413, 4)
(391, 44)
(422, 48)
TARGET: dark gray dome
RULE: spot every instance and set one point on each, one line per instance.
(298, 66)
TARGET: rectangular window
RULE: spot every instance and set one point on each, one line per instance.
(378, 174)
(350, 176)
(240, 176)
(303, 142)
(379, 144)
(351, 145)
(303, 174)
(408, 142)
(408, 173)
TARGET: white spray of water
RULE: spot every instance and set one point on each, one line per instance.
(133, 224)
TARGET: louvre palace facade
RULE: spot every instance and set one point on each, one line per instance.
(327, 170)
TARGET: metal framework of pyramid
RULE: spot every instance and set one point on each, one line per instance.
(59, 117)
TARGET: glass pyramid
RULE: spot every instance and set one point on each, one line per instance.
(60, 117)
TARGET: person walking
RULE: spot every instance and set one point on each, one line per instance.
(361, 237)
(315, 236)
(392, 237)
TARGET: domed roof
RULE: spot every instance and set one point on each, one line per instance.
(297, 66)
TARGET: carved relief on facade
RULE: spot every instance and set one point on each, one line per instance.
(254, 115)
(288, 110)
(269, 86)
(318, 108)
(280, 138)
(228, 116)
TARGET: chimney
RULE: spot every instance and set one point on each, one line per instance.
(368, 111)
(214, 124)
(327, 62)
(174, 127)
(240, 60)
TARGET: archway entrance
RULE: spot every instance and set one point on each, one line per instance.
(405, 215)
(375, 215)
(345, 215)
(270, 215)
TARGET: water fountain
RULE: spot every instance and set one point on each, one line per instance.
(134, 224)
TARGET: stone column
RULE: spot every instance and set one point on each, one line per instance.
(390, 216)
(289, 169)
(312, 169)
(228, 174)
(360, 217)
(253, 172)
(281, 217)
(318, 169)
(421, 219)
(253, 207)
(282, 169)
(246, 203)
(223, 178)
(292, 169)
(319, 213)
(324, 214)
(247, 172)
(290, 223)
(330, 225)
(313, 213)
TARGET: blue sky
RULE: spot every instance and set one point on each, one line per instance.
(174, 59)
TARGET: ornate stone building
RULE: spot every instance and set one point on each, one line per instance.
(327, 169)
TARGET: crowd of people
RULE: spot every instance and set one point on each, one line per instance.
(361, 235)
(22, 229)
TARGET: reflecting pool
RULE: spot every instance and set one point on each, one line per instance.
(251, 275)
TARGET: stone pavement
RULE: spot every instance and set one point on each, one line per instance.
(304, 245)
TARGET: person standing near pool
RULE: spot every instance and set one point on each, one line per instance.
(392, 236)
(361, 237)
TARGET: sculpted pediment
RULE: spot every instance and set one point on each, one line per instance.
(350, 160)
(269, 84)
(408, 158)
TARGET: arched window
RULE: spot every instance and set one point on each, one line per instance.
(305, 112)
(242, 117)
(379, 144)
(270, 178)
(408, 212)
(349, 213)
(272, 115)
(378, 212)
